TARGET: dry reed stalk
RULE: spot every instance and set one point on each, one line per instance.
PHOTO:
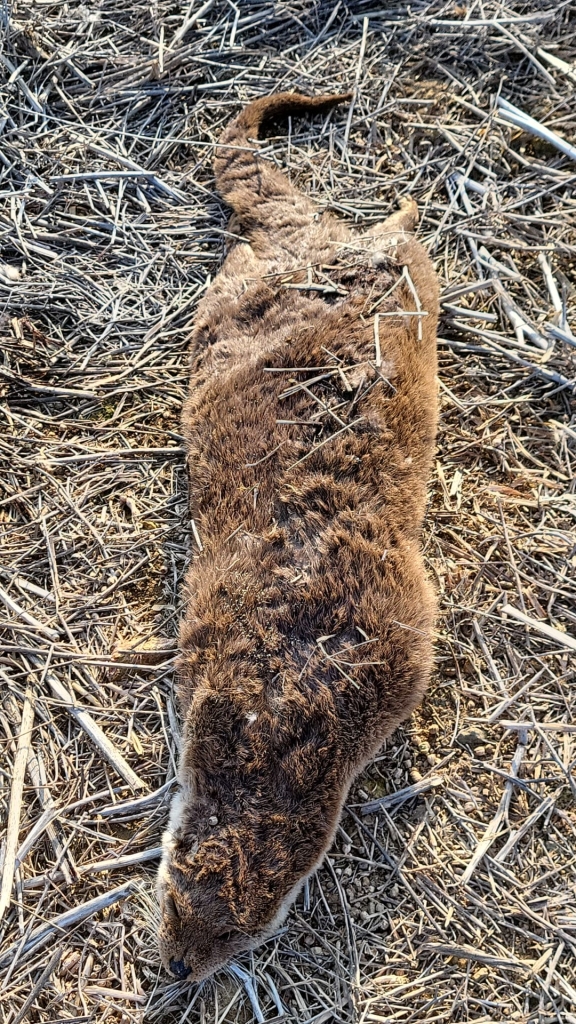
(110, 232)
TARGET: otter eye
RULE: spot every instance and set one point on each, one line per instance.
(171, 909)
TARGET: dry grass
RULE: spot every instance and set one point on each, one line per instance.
(109, 116)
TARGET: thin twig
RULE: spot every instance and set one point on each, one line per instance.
(16, 790)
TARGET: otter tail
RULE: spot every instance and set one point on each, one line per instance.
(250, 185)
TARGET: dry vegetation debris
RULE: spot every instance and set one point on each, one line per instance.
(454, 899)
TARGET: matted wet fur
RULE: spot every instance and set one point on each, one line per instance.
(310, 430)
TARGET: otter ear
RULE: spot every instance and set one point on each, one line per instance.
(171, 909)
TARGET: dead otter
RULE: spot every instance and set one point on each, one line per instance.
(310, 429)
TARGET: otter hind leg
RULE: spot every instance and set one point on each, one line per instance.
(383, 239)
(404, 219)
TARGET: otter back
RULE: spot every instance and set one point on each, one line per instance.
(310, 429)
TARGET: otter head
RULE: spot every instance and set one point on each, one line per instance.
(226, 881)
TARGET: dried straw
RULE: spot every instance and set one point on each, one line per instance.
(449, 894)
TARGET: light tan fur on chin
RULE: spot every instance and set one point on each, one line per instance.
(310, 428)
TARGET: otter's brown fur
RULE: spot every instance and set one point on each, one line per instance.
(306, 636)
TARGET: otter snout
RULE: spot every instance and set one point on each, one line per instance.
(178, 968)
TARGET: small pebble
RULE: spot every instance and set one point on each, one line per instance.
(9, 273)
(69, 961)
(471, 738)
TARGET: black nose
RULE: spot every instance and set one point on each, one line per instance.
(178, 967)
